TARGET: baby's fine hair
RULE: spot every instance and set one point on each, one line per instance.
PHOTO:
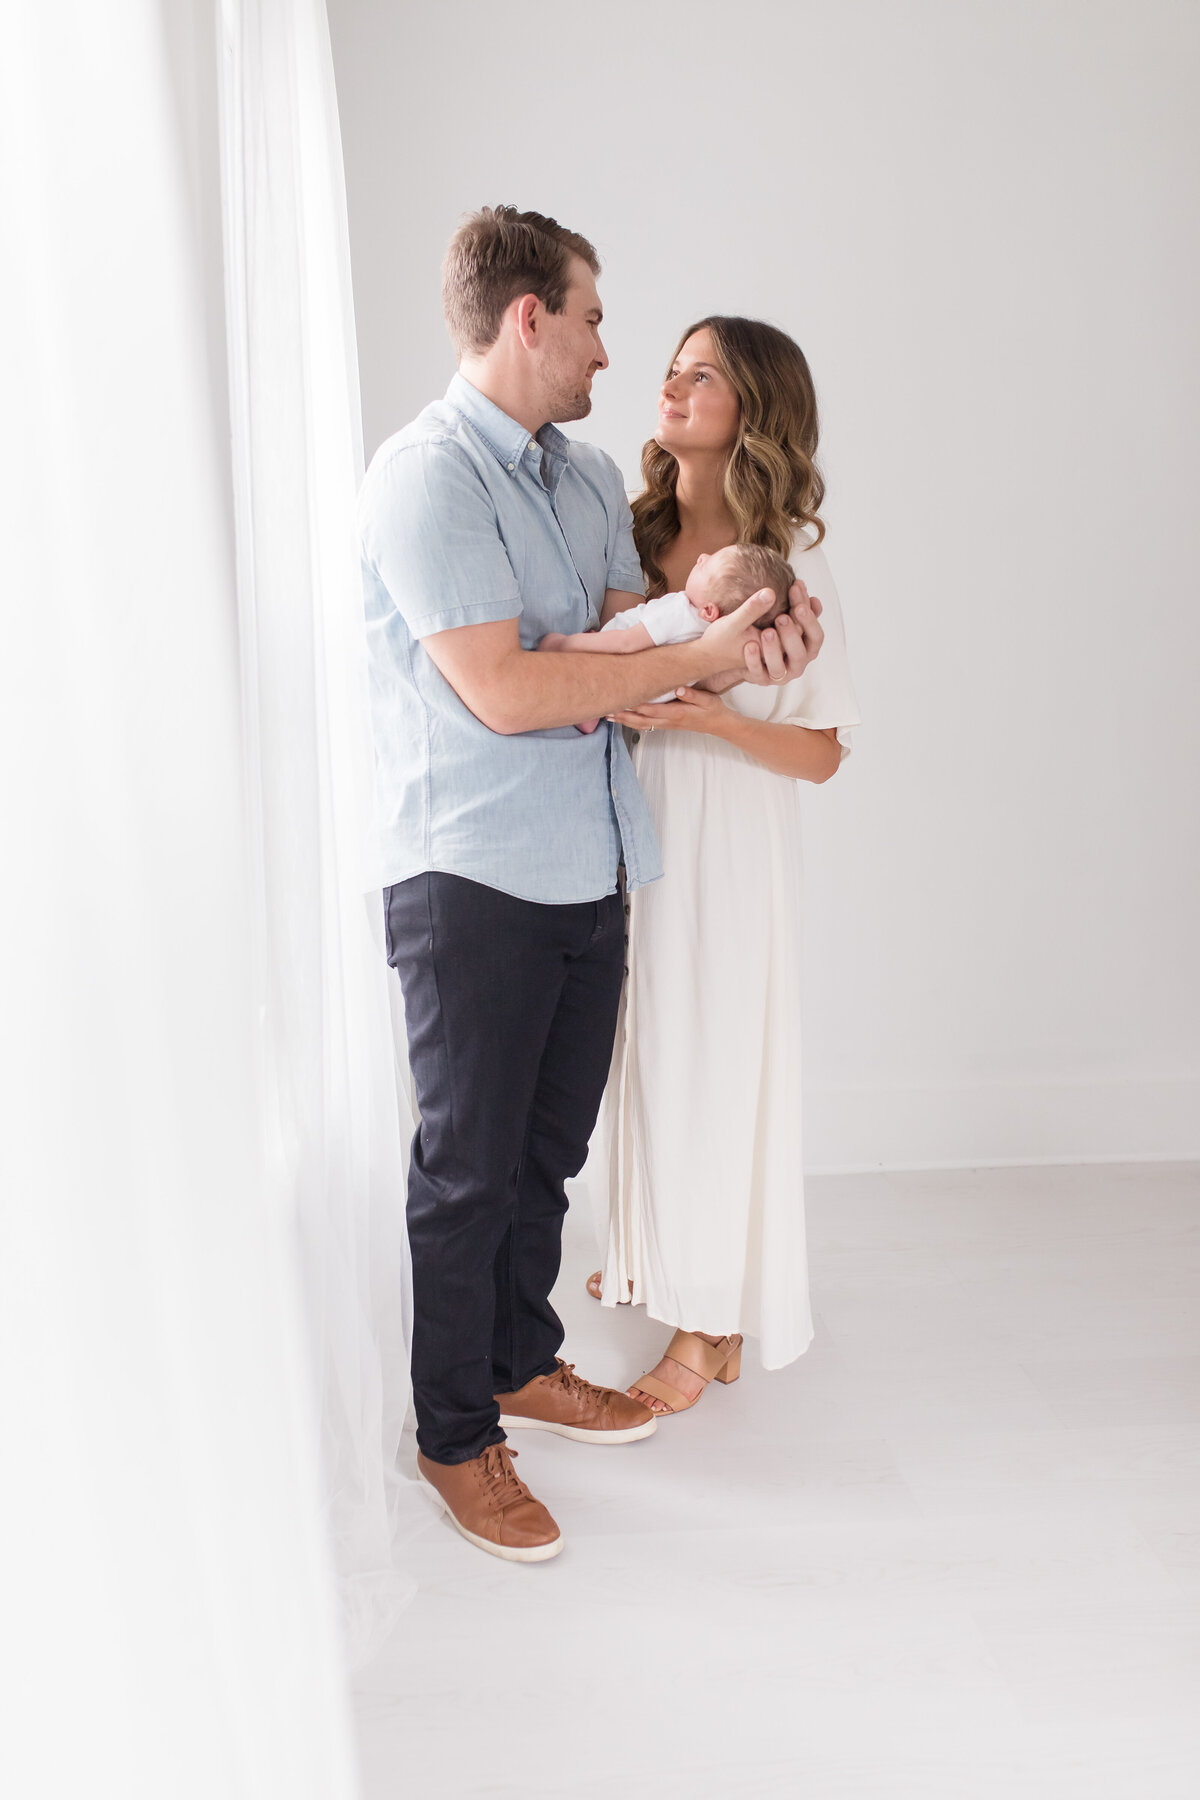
(754, 566)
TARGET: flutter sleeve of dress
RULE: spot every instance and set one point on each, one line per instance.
(823, 697)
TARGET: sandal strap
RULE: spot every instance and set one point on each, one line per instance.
(705, 1360)
(662, 1390)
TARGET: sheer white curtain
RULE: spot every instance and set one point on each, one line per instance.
(177, 1282)
(340, 1119)
(169, 1613)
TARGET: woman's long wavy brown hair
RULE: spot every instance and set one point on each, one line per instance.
(772, 483)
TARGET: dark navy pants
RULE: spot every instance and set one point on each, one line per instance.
(511, 1008)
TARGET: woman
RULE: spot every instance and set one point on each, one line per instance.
(701, 1129)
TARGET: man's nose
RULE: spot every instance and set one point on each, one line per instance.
(601, 355)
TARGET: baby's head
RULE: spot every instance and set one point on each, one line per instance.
(719, 583)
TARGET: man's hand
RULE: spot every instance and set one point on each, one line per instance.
(726, 643)
(783, 650)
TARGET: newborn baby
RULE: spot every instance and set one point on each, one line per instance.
(717, 585)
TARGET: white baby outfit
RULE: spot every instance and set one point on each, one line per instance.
(671, 619)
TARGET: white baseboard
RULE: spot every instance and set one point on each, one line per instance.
(851, 1130)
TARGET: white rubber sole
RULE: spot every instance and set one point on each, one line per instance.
(578, 1434)
(506, 1552)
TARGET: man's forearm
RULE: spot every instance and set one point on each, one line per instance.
(537, 691)
(721, 684)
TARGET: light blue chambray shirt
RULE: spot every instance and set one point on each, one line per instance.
(464, 518)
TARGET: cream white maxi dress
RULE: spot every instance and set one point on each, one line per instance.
(698, 1150)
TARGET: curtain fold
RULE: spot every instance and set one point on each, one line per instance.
(169, 1622)
(340, 1118)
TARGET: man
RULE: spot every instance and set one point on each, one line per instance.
(483, 528)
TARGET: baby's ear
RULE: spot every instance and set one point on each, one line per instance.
(710, 611)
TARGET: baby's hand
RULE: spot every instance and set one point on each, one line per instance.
(553, 640)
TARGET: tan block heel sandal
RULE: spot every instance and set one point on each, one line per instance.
(712, 1362)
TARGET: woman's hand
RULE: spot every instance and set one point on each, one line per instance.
(691, 710)
(784, 650)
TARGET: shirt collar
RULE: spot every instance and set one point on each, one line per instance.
(507, 441)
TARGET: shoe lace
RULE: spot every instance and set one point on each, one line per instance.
(501, 1483)
(574, 1384)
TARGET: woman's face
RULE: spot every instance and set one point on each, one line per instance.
(698, 407)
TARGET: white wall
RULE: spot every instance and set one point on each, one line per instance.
(980, 222)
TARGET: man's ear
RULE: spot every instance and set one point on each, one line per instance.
(527, 311)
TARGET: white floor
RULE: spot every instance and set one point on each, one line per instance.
(954, 1551)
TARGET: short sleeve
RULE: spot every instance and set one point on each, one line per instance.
(428, 529)
(672, 619)
(630, 619)
(823, 697)
(624, 564)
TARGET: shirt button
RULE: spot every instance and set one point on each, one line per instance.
(511, 467)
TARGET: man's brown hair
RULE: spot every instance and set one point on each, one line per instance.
(498, 254)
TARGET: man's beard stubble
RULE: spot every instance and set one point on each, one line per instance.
(569, 397)
(567, 403)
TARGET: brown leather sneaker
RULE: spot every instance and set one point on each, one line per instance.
(574, 1408)
(492, 1507)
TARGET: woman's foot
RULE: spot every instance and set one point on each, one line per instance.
(596, 1291)
(675, 1375)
